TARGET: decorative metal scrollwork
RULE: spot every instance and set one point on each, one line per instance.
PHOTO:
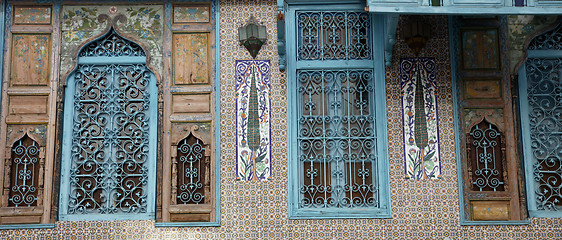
(191, 171)
(551, 40)
(336, 139)
(112, 45)
(109, 155)
(333, 35)
(24, 173)
(486, 158)
(544, 88)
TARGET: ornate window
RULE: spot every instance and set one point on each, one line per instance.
(337, 106)
(485, 150)
(109, 142)
(24, 173)
(541, 119)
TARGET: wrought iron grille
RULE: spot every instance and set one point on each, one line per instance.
(544, 89)
(192, 171)
(333, 35)
(552, 40)
(336, 139)
(110, 144)
(485, 157)
(24, 173)
(112, 45)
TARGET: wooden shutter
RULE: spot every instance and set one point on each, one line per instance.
(27, 126)
(490, 179)
(188, 137)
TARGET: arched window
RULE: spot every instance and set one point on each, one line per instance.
(540, 86)
(109, 139)
(485, 150)
(24, 173)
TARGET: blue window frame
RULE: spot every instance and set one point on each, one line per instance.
(540, 89)
(337, 113)
(109, 134)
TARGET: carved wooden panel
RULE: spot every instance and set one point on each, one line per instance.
(193, 103)
(482, 88)
(27, 104)
(30, 59)
(192, 13)
(480, 49)
(31, 15)
(190, 58)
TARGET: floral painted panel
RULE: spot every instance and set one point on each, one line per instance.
(419, 115)
(192, 13)
(140, 23)
(32, 15)
(30, 59)
(480, 49)
(190, 56)
(253, 124)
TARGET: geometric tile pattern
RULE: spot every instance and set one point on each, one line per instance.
(421, 209)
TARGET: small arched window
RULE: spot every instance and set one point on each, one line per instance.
(24, 173)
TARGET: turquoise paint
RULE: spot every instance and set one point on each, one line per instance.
(68, 139)
(527, 154)
(377, 36)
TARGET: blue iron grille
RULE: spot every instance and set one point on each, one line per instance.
(336, 139)
(333, 35)
(109, 168)
(24, 174)
(192, 171)
(544, 89)
(485, 154)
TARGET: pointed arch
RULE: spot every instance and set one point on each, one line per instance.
(109, 133)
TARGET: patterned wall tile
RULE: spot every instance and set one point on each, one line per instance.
(258, 209)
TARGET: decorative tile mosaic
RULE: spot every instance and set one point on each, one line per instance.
(420, 118)
(253, 120)
(258, 209)
(32, 15)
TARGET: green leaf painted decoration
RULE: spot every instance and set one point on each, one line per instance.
(421, 136)
(253, 116)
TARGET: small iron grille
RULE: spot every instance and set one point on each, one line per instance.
(24, 173)
(333, 35)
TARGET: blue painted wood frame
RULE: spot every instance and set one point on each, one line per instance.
(67, 129)
(217, 222)
(454, 46)
(528, 158)
(378, 30)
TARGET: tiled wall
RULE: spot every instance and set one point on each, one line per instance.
(422, 209)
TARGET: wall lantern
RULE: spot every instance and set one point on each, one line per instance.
(416, 33)
(252, 36)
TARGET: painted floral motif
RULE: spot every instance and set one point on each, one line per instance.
(188, 14)
(79, 21)
(30, 64)
(32, 15)
(253, 126)
(421, 133)
(146, 23)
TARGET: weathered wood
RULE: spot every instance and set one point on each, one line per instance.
(30, 59)
(199, 103)
(191, 58)
(490, 210)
